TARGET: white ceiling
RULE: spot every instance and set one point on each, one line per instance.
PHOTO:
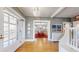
(69, 12)
(44, 11)
(49, 11)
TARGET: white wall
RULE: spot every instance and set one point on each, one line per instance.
(55, 35)
(1, 21)
(52, 21)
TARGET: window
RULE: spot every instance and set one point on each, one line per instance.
(28, 30)
(5, 17)
(5, 43)
(10, 29)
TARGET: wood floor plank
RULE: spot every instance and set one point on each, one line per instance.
(40, 45)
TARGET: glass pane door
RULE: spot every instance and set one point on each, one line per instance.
(10, 30)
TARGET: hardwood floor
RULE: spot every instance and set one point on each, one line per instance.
(40, 45)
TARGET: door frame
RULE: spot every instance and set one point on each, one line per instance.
(48, 30)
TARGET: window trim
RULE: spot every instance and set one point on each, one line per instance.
(9, 28)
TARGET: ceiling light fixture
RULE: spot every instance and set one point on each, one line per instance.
(36, 11)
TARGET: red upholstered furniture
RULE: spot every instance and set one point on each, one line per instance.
(41, 35)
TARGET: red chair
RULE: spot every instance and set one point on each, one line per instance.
(41, 35)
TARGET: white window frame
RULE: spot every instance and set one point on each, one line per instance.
(9, 43)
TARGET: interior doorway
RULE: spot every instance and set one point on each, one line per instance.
(41, 29)
(21, 29)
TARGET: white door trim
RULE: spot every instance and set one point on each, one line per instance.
(48, 21)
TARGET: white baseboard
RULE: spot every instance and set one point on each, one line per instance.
(53, 40)
(29, 40)
(34, 40)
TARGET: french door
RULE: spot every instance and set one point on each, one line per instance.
(10, 29)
